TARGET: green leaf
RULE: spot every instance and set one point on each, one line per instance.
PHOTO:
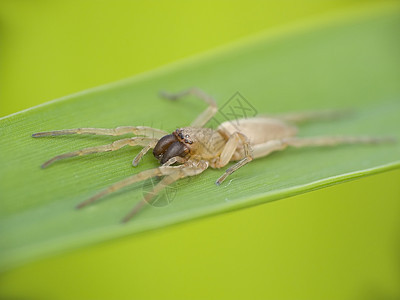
(332, 65)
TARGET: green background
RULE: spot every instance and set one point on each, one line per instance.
(340, 242)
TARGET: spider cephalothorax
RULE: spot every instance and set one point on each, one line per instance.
(183, 135)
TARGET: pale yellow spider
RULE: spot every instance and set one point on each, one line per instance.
(196, 148)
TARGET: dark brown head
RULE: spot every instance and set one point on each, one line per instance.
(170, 146)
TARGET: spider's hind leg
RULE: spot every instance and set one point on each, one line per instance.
(309, 116)
(267, 148)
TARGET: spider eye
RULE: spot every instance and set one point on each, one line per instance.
(163, 145)
(176, 149)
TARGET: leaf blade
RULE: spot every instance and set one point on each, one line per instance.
(37, 216)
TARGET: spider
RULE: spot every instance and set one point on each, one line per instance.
(188, 151)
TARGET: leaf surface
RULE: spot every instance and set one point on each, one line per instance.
(342, 64)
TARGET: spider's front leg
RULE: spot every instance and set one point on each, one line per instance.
(135, 141)
(151, 136)
(136, 130)
(189, 169)
(171, 173)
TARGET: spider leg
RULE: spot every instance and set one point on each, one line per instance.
(135, 141)
(175, 159)
(178, 173)
(277, 145)
(144, 150)
(229, 150)
(206, 115)
(160, 171)
(137, 130)
(306, 116)
(335, 140)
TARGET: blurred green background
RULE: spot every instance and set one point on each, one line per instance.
(338, 243)
(50, 49)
